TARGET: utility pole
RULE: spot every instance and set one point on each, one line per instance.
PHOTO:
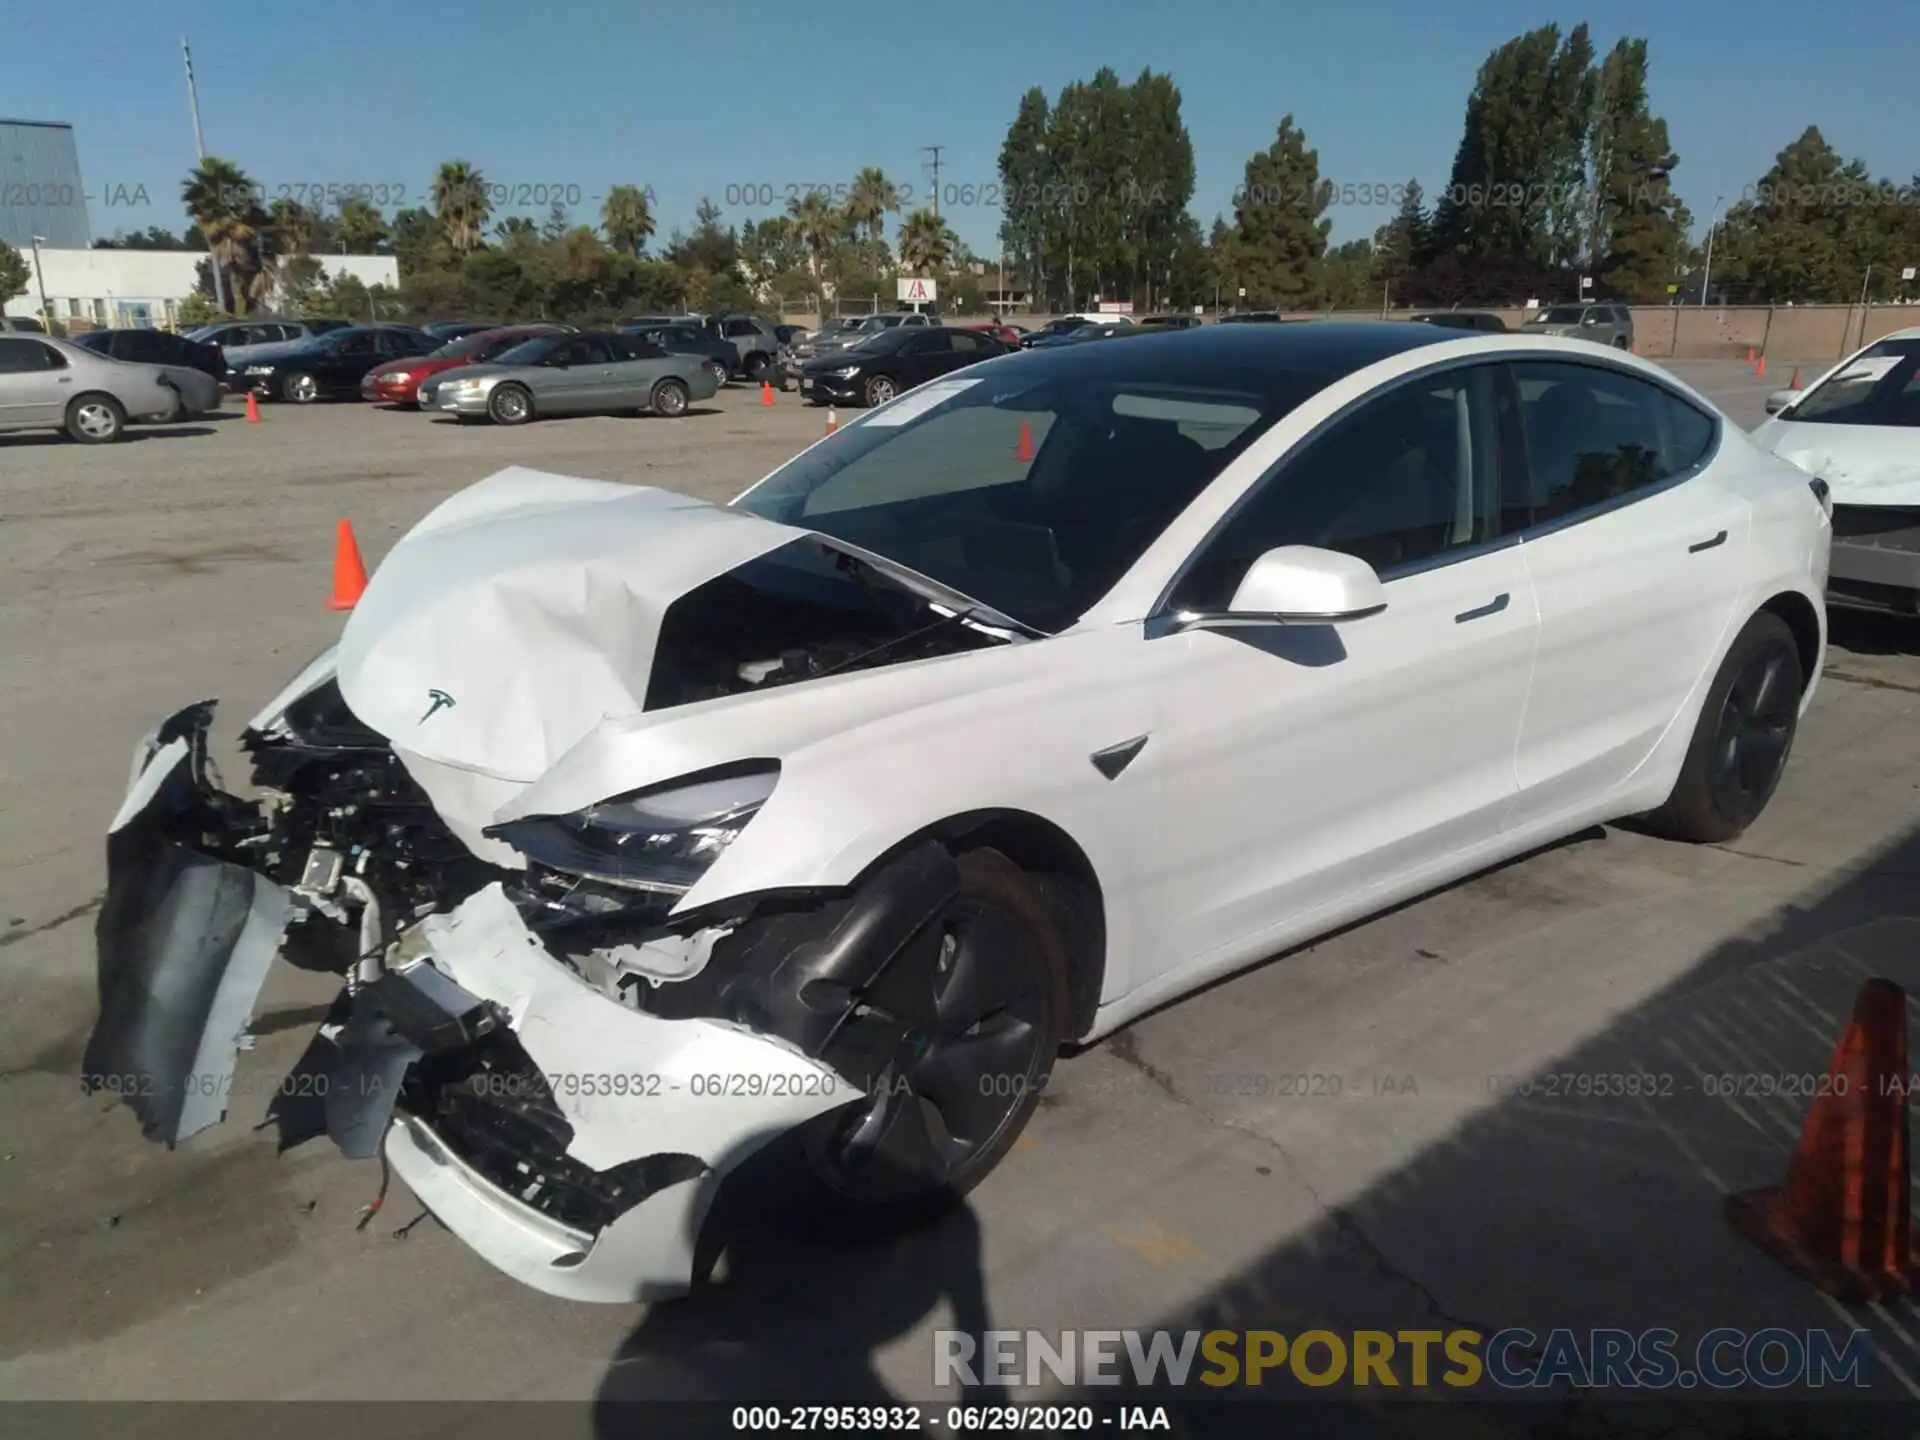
(40, 279)
(200, 151)
(934, 150)
(1713, 223)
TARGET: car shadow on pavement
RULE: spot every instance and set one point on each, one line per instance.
(797, 1318)
(167, 432)
(1584, 1194)
(1867, 632)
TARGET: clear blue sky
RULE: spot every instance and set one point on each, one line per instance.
(695, 99)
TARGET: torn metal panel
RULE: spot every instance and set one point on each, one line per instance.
(185, 941)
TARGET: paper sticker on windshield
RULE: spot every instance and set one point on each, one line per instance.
(915, 403)
(1874, 369)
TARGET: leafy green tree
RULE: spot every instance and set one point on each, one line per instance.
(360, 228)
(627, 217)
(1797, 234)
(516, 229)
(1346, 276)
(1405, 243)
(15, 273)
(558, 224)
(1278, 222)
(1025, 181)
(1517, 187)
(1637, 232)
(418, 243)
(815, 225)
(710, 248)
(871, 199)
(462, 204)
(926, 243)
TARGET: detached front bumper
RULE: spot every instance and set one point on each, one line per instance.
(1876, 558)
(601, 1200)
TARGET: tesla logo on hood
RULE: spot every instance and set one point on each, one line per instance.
(437, 700)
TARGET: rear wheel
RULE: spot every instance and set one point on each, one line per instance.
(96, 419)
(1742, 738)
(669, 399)
(510, 405)
(757, 365)
(988, 979)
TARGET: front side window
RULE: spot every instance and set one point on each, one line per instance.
(1593, 435)
(1401, 481)
(26, 357)
(1879, 386)
(1035, 492)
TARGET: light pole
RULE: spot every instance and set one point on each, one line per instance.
(40, 279)
(1713, 224)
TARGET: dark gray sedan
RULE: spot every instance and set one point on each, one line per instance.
(596, 373)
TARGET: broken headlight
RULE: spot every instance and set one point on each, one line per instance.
(321, 720)
(661, 839)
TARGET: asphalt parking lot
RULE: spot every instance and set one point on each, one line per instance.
(1167, 1180)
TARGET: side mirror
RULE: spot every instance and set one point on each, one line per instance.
(1300, 585)
(1781, 399)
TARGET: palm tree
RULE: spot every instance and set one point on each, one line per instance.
(461, 204)
(627, 217)
(925, 242)
(871, 200)
(360, 228)
(814, 223)
(220, 197)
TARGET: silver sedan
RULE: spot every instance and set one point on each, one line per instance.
(592, 374)
(47, 384)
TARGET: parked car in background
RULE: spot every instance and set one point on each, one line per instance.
(1169, 322)
(458, 329)
(1081, 334)
(1062, 326)
(1463, 320)
(756, 345)
(689, 339)
(787, 334)
(591, 373)
(24, 324)
(49, 384)
(1856, 429)
(881, 366)
(1603, 324)
(243, 340)
(157, 347)
(398, 381)
(840, 332)
(331, 365)
(1252, 317)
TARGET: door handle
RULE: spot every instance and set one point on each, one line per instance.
(65, 380)
(1719, 539)
(1492, 607)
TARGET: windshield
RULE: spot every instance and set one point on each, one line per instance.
(1034, 487)
(1879, 386)
(527, 352)
(1560, 315)
(467, 347)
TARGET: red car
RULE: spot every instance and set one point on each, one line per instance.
(397, 382)
(1005, 334)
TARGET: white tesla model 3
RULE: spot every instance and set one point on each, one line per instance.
(653, 835)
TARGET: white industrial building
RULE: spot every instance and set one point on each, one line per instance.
(146, 287)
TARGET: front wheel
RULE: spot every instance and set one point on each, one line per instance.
(1619, 342)
(96, 419)
(301, 388)
(1742, 738)
(757, 365)
(670, 399)
(991, 971)
(880, 389)
(510, 405)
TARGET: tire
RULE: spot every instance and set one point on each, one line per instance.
(1002, 931)
(669, 400)
(1742, 739)
(299, 387)
(756, 366)
(1619, 342)
(96, 419)
(510, 405)
(880, 389)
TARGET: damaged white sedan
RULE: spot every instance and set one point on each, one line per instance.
(650, 836)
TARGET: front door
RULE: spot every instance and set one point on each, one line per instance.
(1309, 766)
(35, 383)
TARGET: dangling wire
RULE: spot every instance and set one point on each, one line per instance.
(368, 1211)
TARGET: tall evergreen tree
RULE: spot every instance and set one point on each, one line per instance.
(1281, 235)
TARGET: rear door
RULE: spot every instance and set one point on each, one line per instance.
(634, 365)
(1636, 554)
(35, 383)
(966, 346)
(340, 367)
(924, 356)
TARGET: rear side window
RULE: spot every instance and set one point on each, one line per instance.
(1594, 435)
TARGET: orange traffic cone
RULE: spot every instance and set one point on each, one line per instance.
(1024, 450)
(253, 408)
(1842, 1216)
(349, 575)
(1794, 384)
(1760, 367)
(833, 420)
(766, 393)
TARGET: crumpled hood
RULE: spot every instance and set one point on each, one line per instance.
(525, 609)
(1862, 464)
